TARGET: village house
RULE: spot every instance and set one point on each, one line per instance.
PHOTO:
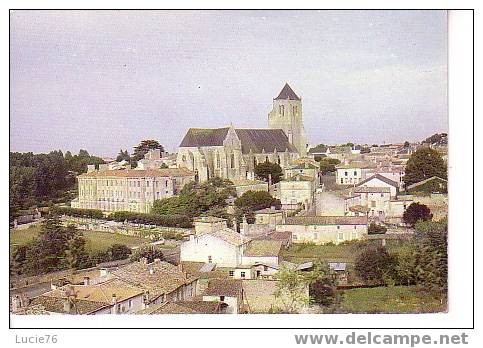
(245, 185)
(377, 181)
(185, 307)
(325, 229)
(354, 172)
(228, 292)
(304, 169)
(269, 216)
(110, 297)
(129, 189)
(160, 281)
(297, 191)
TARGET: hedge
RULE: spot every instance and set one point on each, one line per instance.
(84, 213)
(152, 219)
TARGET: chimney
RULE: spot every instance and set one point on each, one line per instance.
(114, 304)
(67, 305)
(244, 229)
(87, 281)
(16, 303)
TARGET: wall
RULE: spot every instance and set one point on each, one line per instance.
(199, 248)
(320, 234)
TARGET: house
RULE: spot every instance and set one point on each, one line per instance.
(325, 229)
(214, 242)
(433, 184)
(354, 172)
(244, 185)
(330, 204)
(269, 216)
(262, 251)
(161, 281)
(393, 172)
(378, 180)
(228, 292)
(298, 191)
(110, 297)
(304, 169)
(185, 307)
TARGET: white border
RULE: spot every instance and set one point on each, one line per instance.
(460, 157)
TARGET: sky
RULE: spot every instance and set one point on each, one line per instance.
(105, 80)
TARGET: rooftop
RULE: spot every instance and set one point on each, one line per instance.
(367, 189)
(380, 177)
(261, 247)
(138, 173)
(326, 220)
(223, 287)
(287, 93)
(184, 307)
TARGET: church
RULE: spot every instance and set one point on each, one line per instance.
(232, 153)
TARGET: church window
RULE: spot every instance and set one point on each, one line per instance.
(279, 160)
(266, 159)
(232, 160)
(254, 161)
(217, 160)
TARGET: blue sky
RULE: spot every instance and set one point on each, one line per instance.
(104, 80)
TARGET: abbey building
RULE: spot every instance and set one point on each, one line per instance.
(233, 153)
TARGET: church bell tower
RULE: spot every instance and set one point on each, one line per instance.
(286, 114)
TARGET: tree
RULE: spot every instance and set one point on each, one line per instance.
(123, 156)
(432, 256)
(78, 256)
(424, 164)
(375, 265)
(438, 138)
(323, 287)
(144, 147)
(416, 212)
(406, 264)
(147, 251)
(251, 201)
(196, 198)
(256, 200)
(376, 229)
(119, 252)
(327, 165)
(267, 170)
(48, 251)
(365, 149)
(292, 289)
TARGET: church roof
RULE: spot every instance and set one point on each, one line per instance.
(196, 137)
(255, 140)
(287, 93)
(269, 140)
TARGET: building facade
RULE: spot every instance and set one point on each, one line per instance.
(130, 189)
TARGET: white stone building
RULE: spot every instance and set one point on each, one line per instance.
(129, 189)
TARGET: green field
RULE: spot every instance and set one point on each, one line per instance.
(396, 299)
(96, 240)
(327, 253)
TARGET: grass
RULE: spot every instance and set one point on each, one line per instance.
(337, 253)
(396, 299)
(96, 240)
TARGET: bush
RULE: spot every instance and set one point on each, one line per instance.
(147, 251)
(76, 212)
(416, 212)
(376, 229)
(375, 265)
(152, 219)
(118, 252)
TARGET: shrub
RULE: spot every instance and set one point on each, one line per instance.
(152, 219)
(76, 212)
(376, 229)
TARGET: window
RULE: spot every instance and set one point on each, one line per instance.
(315, 236)
(231, 273)
(382, 194)
(232, 157)
(340, 236)
(373, 204)
(265, 268)
(341, 181)
(209, 259)
(242, 274)
(355, 226)
(222, 298)
(338, 227)
(346, 174)
(294, 237)
(130, 303)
